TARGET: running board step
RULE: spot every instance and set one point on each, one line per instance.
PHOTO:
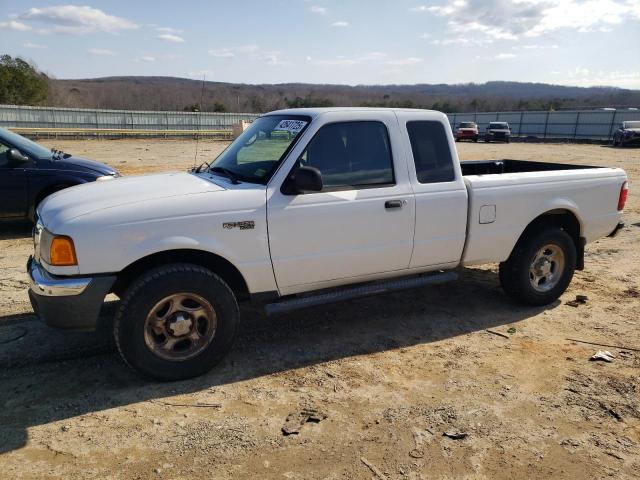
(357, 292)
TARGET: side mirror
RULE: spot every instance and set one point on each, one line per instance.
(15, 156)
(305, 179)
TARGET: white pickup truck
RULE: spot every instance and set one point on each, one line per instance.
(307, 206)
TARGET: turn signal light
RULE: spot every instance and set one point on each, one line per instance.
(62, 252)
(622, 199)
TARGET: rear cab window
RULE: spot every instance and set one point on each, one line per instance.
(431, 151)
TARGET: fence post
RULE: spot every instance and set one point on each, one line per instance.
(520, 125)
(613, 122)
(575, 128)
(546, 123)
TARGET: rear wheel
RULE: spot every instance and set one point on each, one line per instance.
(540, 267)
(176, 322)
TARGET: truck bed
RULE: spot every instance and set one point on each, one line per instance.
(489, 167)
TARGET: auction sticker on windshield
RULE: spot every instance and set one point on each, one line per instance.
(292, 126)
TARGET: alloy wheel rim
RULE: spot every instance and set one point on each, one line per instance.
(546, 268)
(180, 326)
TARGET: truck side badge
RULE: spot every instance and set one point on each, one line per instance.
(246, 225)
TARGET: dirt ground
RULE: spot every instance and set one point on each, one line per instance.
(382, 380)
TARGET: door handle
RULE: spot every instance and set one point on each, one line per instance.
(393, 204)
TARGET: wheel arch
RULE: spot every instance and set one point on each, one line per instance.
(217, 264)
(565, 219)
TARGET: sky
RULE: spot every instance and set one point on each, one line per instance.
(570, 42)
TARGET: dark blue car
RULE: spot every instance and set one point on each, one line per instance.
(29, 172)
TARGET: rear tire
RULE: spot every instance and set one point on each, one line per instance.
(540, 267)
(176, 322)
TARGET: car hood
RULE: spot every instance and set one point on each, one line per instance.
(70, 203)
(73, 162)
(634, 130)
(498, 130)
(467, 129)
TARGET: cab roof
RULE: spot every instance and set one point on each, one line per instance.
(315, 112)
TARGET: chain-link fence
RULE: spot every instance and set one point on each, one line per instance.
(60, 121)
(571, 125)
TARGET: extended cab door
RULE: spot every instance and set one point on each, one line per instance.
(361, 224)
(14, 188)
(440, 193)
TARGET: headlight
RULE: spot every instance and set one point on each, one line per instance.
(57, 250)
(106, 177)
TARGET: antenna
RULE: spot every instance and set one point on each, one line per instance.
(195, 157)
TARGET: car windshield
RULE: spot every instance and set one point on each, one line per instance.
(23, 144)
(255, 154)
(631, 125)
(499, 126)
(467, 125)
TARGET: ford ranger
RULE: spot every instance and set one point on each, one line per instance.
(305, 207)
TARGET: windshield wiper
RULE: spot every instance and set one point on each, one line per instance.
(229, 173)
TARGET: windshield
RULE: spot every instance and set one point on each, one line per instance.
(631, 125)
(467, 125)
(23, 144)
(254, 155)
(499, 126)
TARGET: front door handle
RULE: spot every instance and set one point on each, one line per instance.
(393, 204)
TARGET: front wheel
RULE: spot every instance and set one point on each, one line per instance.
(540, 267)
(176, 322)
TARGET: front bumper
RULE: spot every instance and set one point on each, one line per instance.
(466, 135)
(67, 302)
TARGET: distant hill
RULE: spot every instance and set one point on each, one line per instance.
(169, 93)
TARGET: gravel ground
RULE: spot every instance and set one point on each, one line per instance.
(387, 380)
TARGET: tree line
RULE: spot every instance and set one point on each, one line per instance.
(22, 83)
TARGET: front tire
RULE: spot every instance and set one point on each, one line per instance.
(540, 267)
(176, 322)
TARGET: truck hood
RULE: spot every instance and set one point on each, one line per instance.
(73, 202)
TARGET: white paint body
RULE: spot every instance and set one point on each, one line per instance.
(306, 242)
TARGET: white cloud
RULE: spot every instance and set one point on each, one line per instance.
(424, 35)
(512, 19)
(403, 62)
(167, 30)
(274, 58)
(170, 37)
(247, 48)
(499, 56)
(317, 9)
(340, 24)
(101, 51)
(586, 78)
(77, 19)
(538, 47)
(230, 52)
(464, 41)
(15, 25)
(146, 58)
(343, 61)
(221, 53)
(33, 45)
